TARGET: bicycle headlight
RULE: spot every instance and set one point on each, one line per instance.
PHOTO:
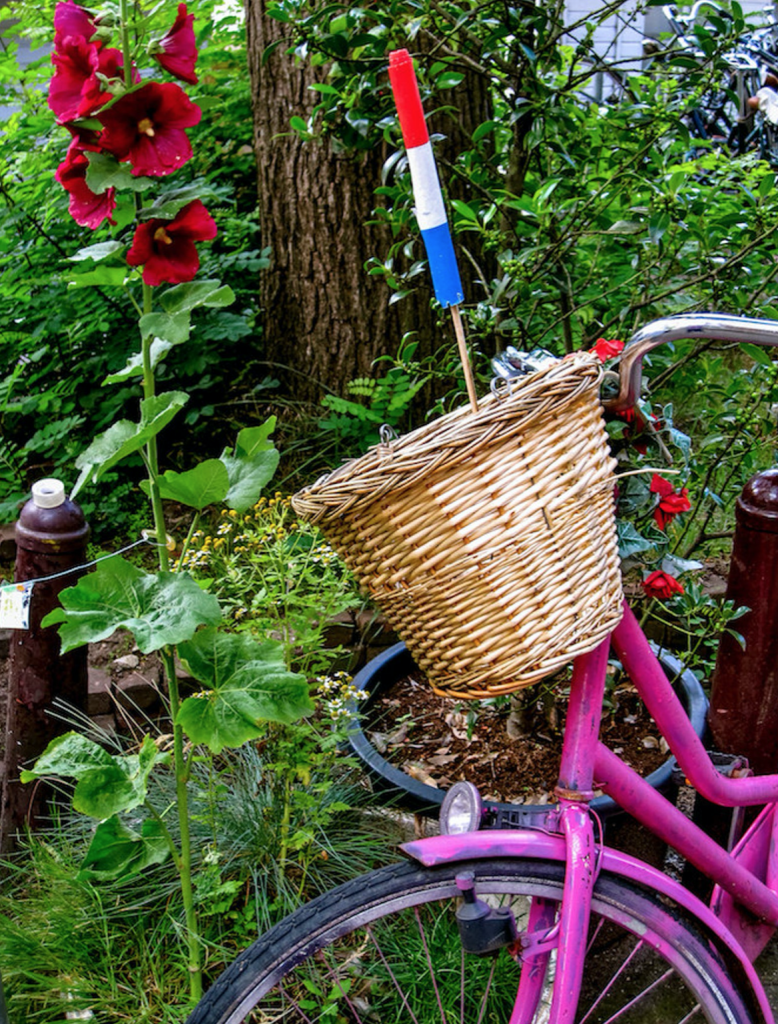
(461, 810)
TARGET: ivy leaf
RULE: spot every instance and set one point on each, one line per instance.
(248, 683)
(105, 171)
(126, 437)
(134, 368)
(251, 466)
(185, 297)
(96, 252)
(172, 328)
(206, 483)
(118, 852)
(157, 608)
(630, 541)
(105, 783)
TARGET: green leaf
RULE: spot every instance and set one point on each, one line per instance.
(106, 783)
(248, 476)
(157, 608)
(172, 328)
(103, 277)
(105, 171)
(119, 852)
(630, 541)
(96, 252)
(185, 297)
(206, 483)
(126, 437)
(134, 368)
(171, 203)
(248, 685)
(255, 439)
(68, 756)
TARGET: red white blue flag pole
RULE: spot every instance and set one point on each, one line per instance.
(428, 199)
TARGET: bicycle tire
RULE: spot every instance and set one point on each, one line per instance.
(289, 974)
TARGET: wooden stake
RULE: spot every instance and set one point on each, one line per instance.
(459, 330)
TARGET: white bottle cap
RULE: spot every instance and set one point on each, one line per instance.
(48, 493)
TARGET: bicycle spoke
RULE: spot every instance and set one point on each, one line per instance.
(391, 974)
(612, 982)
(486, 993)
(417, 915)
(641, 995)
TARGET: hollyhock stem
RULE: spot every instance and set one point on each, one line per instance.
(125, 34)
(184, 861)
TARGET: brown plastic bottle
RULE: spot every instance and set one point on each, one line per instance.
(51, 538)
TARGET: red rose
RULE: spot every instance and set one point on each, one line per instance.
(146, 127)
(661, 585)
(177, 52)
(86, 207)
(166, 249)
(605, 350)
(670, 503)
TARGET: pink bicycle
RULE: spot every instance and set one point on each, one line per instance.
(545, 923)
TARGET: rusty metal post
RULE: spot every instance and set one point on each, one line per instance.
(743, 714)
(51, 537)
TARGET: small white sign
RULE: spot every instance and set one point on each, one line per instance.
(15, 605)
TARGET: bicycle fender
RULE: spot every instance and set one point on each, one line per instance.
(511, 844)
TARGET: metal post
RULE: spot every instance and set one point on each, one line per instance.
(743, 714)
(51, 537)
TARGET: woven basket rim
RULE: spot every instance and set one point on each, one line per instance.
(401, 462)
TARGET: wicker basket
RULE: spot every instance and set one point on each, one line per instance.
(488, 537)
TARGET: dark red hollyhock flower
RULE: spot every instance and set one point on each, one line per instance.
(662, 585)
(605, 350)
(72, 20)
(86, 207)
(177, 52)
(75, 90)
(146, 127)
(165, 248)
(671, 502)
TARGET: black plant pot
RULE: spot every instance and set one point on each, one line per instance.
(398, 787)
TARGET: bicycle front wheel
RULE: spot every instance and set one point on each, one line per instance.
(385, 948)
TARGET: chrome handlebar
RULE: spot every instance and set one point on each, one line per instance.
(683, 326)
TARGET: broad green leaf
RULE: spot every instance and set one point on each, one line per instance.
(255, 439)
(105, 783)
(134, 368)
(104, 277)
(248, 475)
(126, 437)
(207, 483)
(185, 297)
(106, 172)
(172, 328)
(248, 685)
(118, 852)
(69, 756)
(157, 608)
(96, 252)
(172, 202)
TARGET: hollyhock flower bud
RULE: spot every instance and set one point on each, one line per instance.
(671, 502)
(86, 207)
(176, 51)
(605, 350)
(661, 585)
(146, 127)
(165, 248)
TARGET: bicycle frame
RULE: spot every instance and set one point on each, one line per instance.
(744, 911)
